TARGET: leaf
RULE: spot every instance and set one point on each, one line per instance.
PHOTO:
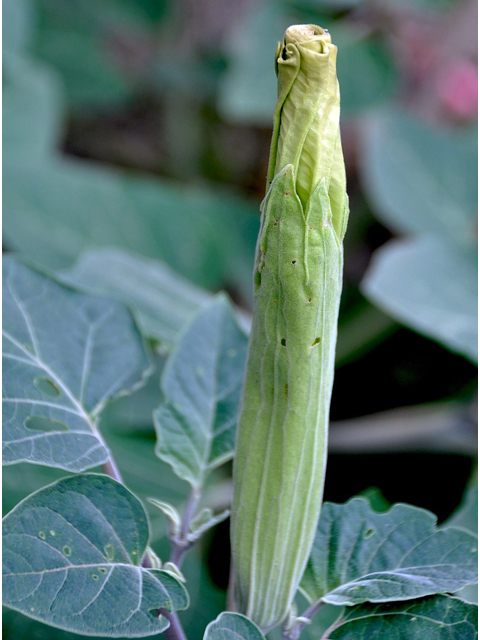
(71, 558)
(161, 300)
(436, 618)
(201, 383)
(65, 356)
(466, 517)
(31, 109)
(430, 285)
(17, 23)
(169, 511)
(359, 555)
(232, 626)
(420, 178)
(208, 236)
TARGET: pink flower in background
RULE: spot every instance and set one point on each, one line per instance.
(457, 89)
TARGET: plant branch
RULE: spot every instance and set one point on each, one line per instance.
(293, 632)
(110, 468)
(181, 543)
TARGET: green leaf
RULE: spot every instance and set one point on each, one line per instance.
(205, 235)
(431, 286)
(65, 355)
(17, 23)
(436, 618)
(161, 300)
(31, 110)
(71, 558)
(419, 178)
(359, 555)
(466, 517)
(201, 383)
(232, 626)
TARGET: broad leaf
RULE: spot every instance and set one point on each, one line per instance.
(161, 300)
(31, 110)
(420, 178)
(72, 557)
(65, 355)
(430, 285)
(362, 556)
(201, 383)
(205, 235)
(232, 626)
(17, 23)
(435, 618)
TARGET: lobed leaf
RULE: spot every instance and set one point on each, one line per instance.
(201, 384)
(435, 618)
(232, 626)
(362, 556)
(65, 355)
(72, 557)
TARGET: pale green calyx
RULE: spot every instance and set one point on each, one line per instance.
(281, 446)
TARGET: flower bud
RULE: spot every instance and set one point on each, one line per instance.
(281, 448)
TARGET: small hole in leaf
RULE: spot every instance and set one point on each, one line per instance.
(109, 552)
(275, 223)
(283, 342)
(316, 341)
(102, 569)
(155, 613)
(369, 532)
(41, 535)
(94, 576)
(309, 301)
(37, 423)
(46, 386)
(294, 262)
(67, 551)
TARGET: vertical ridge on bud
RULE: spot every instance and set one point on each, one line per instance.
(282, 435)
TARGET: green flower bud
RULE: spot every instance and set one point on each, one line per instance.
(282, 435)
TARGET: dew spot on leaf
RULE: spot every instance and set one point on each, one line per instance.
(45, 425)
(46, 386)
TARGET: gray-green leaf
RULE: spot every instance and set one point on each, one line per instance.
(435, 618)
(430, 285)
(201, 384)
(232, 626)
(65, 355)
(161, 299)
(420, 178)
(72, 558)
(359, 555)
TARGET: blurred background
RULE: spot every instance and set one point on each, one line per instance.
(144, 126)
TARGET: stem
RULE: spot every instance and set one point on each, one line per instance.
(175, 630)
(294, 632)
(110, 468)
(181, 544)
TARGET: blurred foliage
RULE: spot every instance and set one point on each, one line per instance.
(144, 125)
